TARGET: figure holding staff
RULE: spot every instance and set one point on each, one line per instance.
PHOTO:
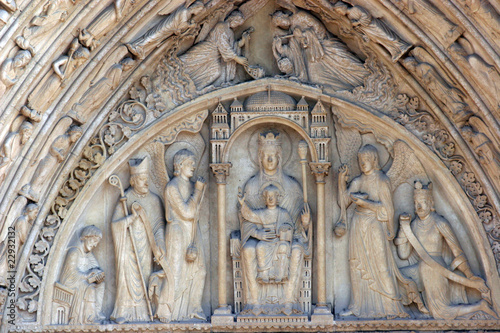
(184, 249)
(133, 251)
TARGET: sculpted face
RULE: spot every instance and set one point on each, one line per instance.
(271, 199)
(270, 160)
(187, 168)
(90, 243)
(140, 183)
(281, 20)
(26, 135)
(32, 214)
(235, 21)
(366, 163)
(423, 206)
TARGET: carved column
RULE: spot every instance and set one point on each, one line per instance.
(223, 313)
(322, 311)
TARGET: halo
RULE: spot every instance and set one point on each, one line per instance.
(286, 145)
(192, 145)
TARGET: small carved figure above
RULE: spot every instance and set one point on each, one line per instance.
(20, 229)
(304, 49)
(207, 65)
(427, 15)
(373, 29)
(212, 62)
(102, 24)
(99, 90)
(11, 69)
(485, 146)
(483, 74)
(79, 294)
(58, 151)
(47, 90)
(451, 98)
(53, 13)
(428, 240)
(173, 24)
(12, 147)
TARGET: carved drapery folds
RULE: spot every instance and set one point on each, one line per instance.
(286, 208)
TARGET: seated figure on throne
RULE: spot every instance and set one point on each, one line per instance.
(272, 252)
(260, 295)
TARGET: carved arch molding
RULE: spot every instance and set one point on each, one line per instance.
(267, 96)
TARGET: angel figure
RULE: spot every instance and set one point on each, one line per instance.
(45, 92)
(484, 144)
(177, 289)
(379, 290)
(173, 24)
(314, 54)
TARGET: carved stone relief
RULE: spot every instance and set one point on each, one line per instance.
(304, 49)
(52, 14)
(79, 293)
(429, 16)
(43, 95)
(120, 225)
(443, 289)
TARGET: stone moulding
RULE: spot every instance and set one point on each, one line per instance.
(338, 326)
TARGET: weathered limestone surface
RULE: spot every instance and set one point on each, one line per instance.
(259, 165)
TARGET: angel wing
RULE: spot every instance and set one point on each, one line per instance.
(159, 174)
(406, 167)
(61, 127)
(348, 143)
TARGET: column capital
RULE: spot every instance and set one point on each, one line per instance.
(221, 171)
(320, 170)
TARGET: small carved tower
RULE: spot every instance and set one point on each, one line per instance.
(220, 132)
(319, 131)
(237, 115)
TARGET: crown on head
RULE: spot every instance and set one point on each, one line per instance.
(138, 166)
(421, 189)
(269, 138)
